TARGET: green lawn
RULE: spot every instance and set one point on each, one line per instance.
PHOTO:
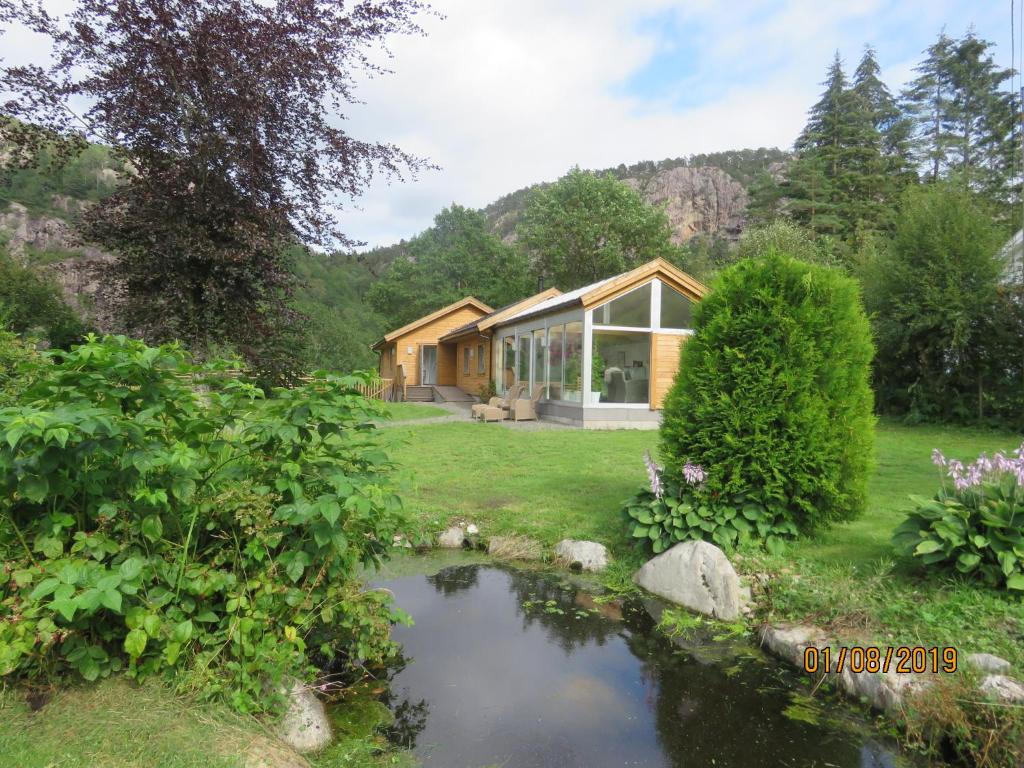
(116, 724)
(571, 483)
(408, 411)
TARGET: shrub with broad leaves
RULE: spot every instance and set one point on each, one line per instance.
(674, 510)
(975, 523)
(170, 519)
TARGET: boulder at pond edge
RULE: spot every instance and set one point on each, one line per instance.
(696, 575)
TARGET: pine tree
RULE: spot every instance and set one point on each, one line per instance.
(963, 117)
(926, 104)
(892, 125)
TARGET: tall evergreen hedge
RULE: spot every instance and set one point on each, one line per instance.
(772, 397)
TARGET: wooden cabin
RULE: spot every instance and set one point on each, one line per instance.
(605, 354)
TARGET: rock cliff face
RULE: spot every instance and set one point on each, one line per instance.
(697, 200)
(83, 276)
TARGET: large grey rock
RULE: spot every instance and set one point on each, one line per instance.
(986, 662)
(304, 727)
(696, 575)
(590, 555)
(1003, 689)
(885, 691)
(452, 538)
(790, 641)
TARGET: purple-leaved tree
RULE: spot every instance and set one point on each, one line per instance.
(227, 115)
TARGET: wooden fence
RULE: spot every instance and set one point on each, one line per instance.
(378, 389)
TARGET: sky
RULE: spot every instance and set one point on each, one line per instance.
(501, 94)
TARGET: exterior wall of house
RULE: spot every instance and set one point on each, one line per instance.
(470, 382)
(665, 349)
(408, 345)
(387, 361)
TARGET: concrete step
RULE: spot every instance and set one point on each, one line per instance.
(448, 394)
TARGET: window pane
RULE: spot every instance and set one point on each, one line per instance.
(555, 353)
(508, 366)
(676, 309)
(523, 376)
(632, 310)
(573, 342)
(539, 356)
(480, 358)
(465, 359)
(621, 366)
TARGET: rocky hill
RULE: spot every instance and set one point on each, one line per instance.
(701, 194)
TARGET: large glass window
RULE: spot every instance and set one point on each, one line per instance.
(573, 343)
(523, 372)
(555, 352)
(508, 363)
(632, 310)
(539, 358)
(676, 309)
(621, 366)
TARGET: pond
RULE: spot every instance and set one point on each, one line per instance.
(524, 669)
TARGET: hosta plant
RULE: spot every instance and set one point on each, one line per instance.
(671, 511)
(975, 523)
(166, 519)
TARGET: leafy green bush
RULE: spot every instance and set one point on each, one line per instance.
(772, 399)
(673, 511)
(29, 302)
(975, 524)
(18, 362)
(163, 518)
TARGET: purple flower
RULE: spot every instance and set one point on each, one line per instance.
(653, 474)
(938, 459)
(694, 474)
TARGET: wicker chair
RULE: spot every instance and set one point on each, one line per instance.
(501, 403)
(526, 410)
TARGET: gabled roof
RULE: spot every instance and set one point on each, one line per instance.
(495, 317)
(604, 290)
(469, 301)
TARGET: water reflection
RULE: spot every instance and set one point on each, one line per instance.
(519, 669)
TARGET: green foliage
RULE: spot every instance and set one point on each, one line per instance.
(948, 339)
(455, 258)
(784, 237)
(976, 526)
(18, 364)
(338, 325)
(88, 175)
(978, 533)
(586, 227)
(31, 303)
(772, 397)
(159, 517)
(963, 117)
(683, 513)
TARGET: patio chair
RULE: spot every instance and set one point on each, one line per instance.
(501, 403)
(526, 410)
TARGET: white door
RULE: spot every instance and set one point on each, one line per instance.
(428, 364)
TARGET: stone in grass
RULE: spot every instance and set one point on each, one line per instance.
(514, 548)
(1003, 689)
(788, 641)
(304, 727)
(452, 538)
(987, 662)
(587, 555)
(885, 691)
(696, 575)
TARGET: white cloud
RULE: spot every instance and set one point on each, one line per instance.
(505, 93)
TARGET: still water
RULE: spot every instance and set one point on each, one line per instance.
(518, 668)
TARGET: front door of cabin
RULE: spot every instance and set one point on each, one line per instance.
(428, 364)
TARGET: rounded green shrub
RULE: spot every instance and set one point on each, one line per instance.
(772, 399)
